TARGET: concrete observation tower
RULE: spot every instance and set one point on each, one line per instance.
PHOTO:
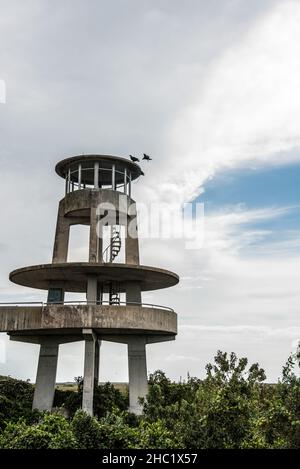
(98, 194)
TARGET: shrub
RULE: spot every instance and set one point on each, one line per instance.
(230, 408)
(86, 431)
(52, 431)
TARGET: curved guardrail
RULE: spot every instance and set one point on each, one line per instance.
(84, 302)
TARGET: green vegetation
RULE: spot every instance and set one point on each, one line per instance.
(230, 408)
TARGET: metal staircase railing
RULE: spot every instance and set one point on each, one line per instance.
(114, 295)
(113, 249)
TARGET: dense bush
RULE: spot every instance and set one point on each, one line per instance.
(51, 431)
(15, 399)
(231, 408)
(106, 397)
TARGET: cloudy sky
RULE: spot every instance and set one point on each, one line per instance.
(211, 90)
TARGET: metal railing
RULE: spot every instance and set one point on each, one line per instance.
(113, 249)
(85, 302)
(75, 179)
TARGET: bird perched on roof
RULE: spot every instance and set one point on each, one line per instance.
(146, 157)
(134, 158)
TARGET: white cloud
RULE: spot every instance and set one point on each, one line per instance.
(288, 332)
(245, 107)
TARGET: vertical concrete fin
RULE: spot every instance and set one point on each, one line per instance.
(61, 242)
(89, 371)
(46, 375)
(137, 367)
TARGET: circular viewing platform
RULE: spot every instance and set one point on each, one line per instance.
(74, 276)
(98, 171)
(71, 317)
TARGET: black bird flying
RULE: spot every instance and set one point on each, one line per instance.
(146, 157)
(134, 158)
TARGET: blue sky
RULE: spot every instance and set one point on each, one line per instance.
(254, 187)
(257, 188)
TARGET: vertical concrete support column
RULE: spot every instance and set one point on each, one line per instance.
(129, 186)
(95, 250)
(137, 367)
(97, 362)
(92, 289)
(125, 181)
(61, 243)
(133, 292)
(131, 239)
(69, 180)
(99, 233)
(46, 375)
(96, 175)
(113, 177)
(89, 371)
(66, 185)
(79, 176)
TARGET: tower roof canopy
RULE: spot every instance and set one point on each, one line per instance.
(106, 163)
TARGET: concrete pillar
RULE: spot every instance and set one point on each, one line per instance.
(95, 250)
(61, 243)
(132, 242)
(69, 179)
(46, 375)
(97, 362)
(125, 181)
(79, 176)
(96, 175)
(89, 371)
(137, 367)
(129, 186)
(99, 242)
(113, 177)
(133, 292)
(92, 289)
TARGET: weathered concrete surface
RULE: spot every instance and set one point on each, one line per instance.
(95, 247)
(104, 318)
(89, 370)
(79, 203)
(137, 371)
(97, 361)
(61, 242)
(74, 275)
(82, 207)
(133, 293)
(18, 318)
(91, 291)
(46, 375)
(131, 240)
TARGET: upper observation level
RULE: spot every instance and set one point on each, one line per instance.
(98, 172)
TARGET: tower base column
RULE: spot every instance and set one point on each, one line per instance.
(97, 362)
(46, 375)
(137, 366)
(89, 370)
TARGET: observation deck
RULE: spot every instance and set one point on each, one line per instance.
(98, 172)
